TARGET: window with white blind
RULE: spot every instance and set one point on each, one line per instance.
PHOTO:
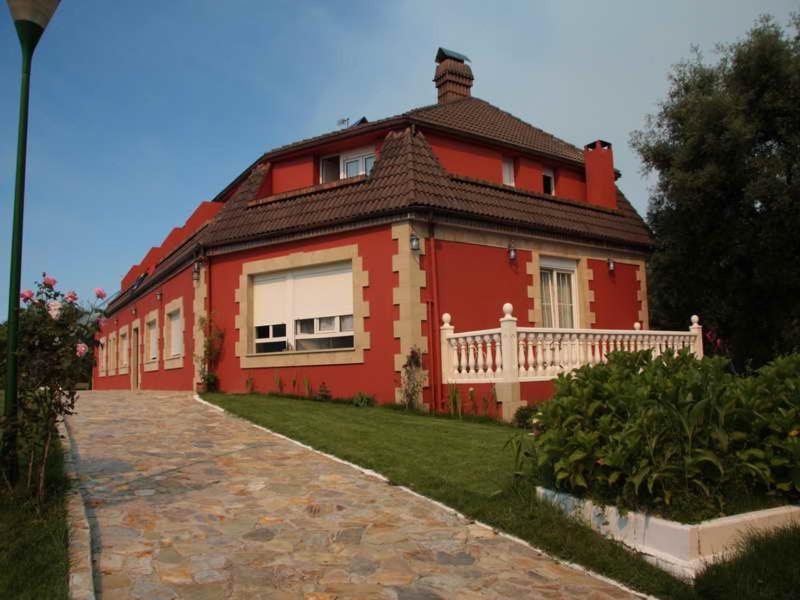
(304, 309)
(123, 349)
(175, 324)
(557, 278)
(152, 340)
(508, 171)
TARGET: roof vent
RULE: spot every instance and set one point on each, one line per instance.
(453, 77)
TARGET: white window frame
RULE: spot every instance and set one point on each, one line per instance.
(170, 353)
(361, 155)
(123, 349)
(555, 266)
(548, 172)
(508, 171)
(151, 327)
(292, 335)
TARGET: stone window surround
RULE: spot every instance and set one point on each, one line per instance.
(111, 354)
(122, 368)
(173, 362)
(102, 358)
(150, 364)
(542, 246)
(298, 358)
(200, 319)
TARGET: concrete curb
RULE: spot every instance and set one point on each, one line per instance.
(81, 574)
(449, 509)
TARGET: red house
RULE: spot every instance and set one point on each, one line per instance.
(329, 259)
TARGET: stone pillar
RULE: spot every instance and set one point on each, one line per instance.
(508, 392)
(697, 330)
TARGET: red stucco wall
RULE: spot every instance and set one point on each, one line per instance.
(465, 158)
(570, 184)
(293, 174)
(161, 379)
(615, 304)
(375, 376)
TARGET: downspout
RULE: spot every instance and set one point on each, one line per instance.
(436, 362)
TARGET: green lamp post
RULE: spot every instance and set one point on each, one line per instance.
(30, 19)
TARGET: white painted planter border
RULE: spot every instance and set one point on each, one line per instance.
(444, 507)
(679, 548)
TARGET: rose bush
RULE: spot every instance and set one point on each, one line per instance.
(56, 353)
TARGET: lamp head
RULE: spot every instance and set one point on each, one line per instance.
(38, 12)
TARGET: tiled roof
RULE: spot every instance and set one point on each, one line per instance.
(407, 176)
(478, 117)
(471, 116)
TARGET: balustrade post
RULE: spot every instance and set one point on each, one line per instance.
(507, 386)
(697, 331)
(446, 355)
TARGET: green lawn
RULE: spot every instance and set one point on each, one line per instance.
(34, 562)
(462, 464)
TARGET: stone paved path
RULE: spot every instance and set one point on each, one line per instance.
(186, 502)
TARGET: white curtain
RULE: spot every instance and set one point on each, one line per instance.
(547, 295)
(565, 309)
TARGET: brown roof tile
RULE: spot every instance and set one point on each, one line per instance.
(407, 176)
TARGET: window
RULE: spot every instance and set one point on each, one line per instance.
(548, 182)
(351, 164)
(508, 171)
(152, 340)
(557, 278)
(123, 350)
(175, 333)
(304, 309)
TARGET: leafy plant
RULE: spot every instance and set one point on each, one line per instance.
(323, 393)
(523, 416)
(485, 404)
(212, 351)
(279, 384)
(453, 398)
(472, 406)
(362, 400)
(308, 387)
(675, 435)
(413, 378)
(250, 383)
(294, 383)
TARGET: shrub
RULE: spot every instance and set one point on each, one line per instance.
(413, 378)
(323, 393)
(674, 435)
(524, 416)
(362, 400)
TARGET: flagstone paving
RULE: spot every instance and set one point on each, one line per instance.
(188, 502)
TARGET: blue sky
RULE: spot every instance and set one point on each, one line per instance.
(140, 110)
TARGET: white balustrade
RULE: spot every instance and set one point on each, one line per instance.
(510, 353)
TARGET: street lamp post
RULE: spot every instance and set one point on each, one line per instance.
(30, 19)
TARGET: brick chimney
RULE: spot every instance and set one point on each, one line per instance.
(453, 76)
(600, 187)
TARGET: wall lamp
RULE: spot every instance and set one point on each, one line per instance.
(159, 295)
(133, 311)
(414, 242)
(611, 265)
(196, 271)
(512, 251)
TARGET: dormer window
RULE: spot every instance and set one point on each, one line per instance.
(508, 171)
(548, 182)
(350, 164)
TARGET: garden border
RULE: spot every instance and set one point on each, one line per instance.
(384, 479)
(81, 569)
(682, 549)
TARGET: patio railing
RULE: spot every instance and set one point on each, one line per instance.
(514, 354)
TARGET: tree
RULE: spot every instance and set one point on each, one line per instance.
(725, 213)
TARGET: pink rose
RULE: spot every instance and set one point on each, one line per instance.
(54, 308)
(81, 349)
(71, 297)
(49, 281)
(26, 296)
(99, 292)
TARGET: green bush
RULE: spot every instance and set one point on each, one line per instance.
(523, 418)
(673, 435)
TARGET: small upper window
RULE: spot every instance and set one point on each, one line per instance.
(508, 171)
(351, 164)
(548, 182)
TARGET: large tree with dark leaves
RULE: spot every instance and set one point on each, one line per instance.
(725, 145)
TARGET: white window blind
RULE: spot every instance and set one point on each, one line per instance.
(508, 171)
(175, 333)
(322, 291)
(152, 335)
(270, 299)
(123, 350)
